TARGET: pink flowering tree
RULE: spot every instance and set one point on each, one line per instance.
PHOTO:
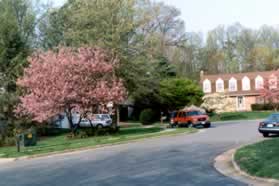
(69, 80)
(270, 90)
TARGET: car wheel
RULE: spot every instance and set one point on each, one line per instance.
(265, 135)
(99, 126)
(174, 125)
(190, 125)
(208, 125)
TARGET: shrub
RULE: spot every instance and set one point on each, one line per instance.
(233, 116)
(147, 117)
(50, 131)
(257, 107)
(210, 113)
(82, 134)
(10, 141)
(89, 131)
(261, 107)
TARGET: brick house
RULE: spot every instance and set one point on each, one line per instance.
(242, 88)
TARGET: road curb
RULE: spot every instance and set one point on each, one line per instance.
(226, 165)
(84, 149)
(6, 160)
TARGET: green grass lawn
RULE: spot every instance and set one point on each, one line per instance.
(130, 124)
(241, 116)
(61, 143)
(260, 159)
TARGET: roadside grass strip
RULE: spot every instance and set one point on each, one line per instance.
(62, 143)
(260, 159)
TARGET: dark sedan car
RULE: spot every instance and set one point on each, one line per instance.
(270, 125)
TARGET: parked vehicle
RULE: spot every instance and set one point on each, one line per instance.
(190, 118)
(270, 125)
(99, 121)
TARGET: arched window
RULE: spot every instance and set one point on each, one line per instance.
(246, 84)
(220, 85)
(272, 82)
(259, 82)
(232, 84)
(206, 86)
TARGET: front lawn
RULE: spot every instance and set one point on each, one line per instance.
(260, 159)
(240, 116)
(61, 143)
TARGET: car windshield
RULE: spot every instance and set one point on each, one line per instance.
(105, 116)
(194, 113)
(101, 117)
(173, 114)
(98, 117)
(273, 118)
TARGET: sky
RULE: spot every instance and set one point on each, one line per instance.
(204, 15)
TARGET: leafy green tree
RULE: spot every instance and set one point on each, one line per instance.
(17, 38)
(51, 29)
(179, 92)
(139, 32)
(16, 20)
(108, 24)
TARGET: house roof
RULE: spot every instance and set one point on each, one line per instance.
(238, 76)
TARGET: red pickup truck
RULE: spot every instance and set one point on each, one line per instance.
(189, 118)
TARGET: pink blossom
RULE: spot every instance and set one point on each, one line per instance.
(70, 78)
(270, 90)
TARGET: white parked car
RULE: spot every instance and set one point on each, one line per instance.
(99, 121)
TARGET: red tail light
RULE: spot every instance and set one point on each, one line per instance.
(261, 124)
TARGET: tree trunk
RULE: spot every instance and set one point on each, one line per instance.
(77, 126)
(92, 126)
(117, 116)
(89, 119)
(70, 120)
(275, 107)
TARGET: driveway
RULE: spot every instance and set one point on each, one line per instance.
(166, 161)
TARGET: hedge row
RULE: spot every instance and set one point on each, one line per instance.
(261, 107)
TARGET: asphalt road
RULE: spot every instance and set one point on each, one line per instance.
(166, 161)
